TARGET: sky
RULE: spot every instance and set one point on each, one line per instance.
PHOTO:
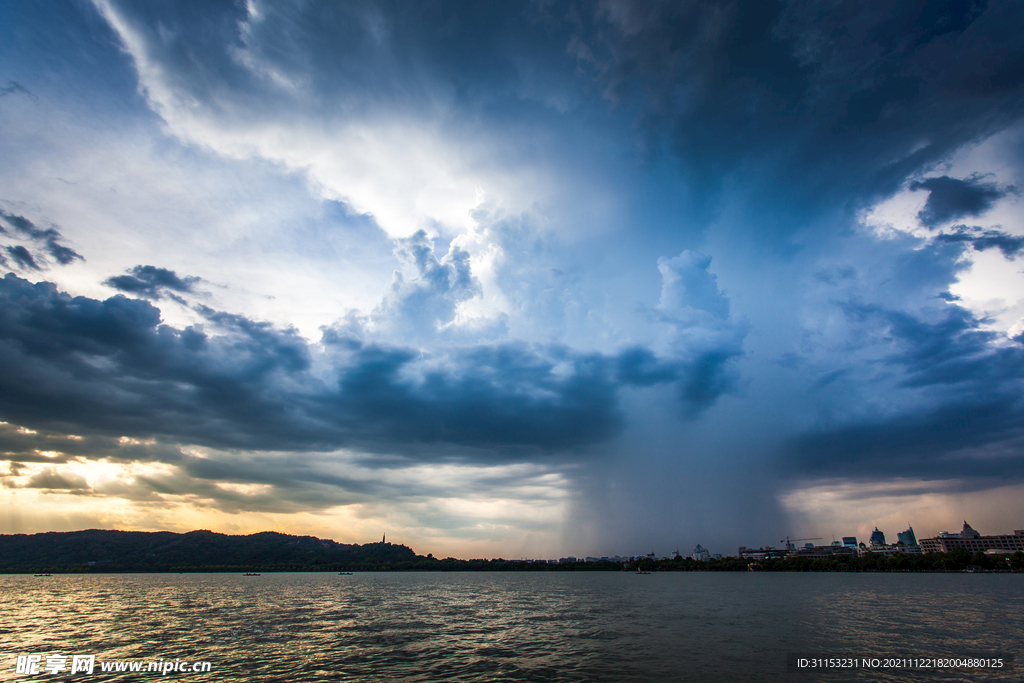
(521, 279)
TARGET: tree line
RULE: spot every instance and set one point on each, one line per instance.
(106, 551)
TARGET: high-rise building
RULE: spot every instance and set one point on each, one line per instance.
(906, 545)
(907, 537)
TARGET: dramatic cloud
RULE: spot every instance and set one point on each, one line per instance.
(511, 274)
(22, 256)
(48, 239)
(844, 100)
(273, 79)
(960, 443)
(1010, 245)
(950, 199)
(90, 366)
(152, 282)
(964, 385)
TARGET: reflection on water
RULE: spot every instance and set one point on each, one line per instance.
(512, 626)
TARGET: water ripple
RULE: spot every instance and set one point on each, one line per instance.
(511, 627)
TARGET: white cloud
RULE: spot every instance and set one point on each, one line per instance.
(990, 285)
(411, 171)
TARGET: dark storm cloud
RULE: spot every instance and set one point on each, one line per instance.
(506, 395)
(952, 198)
(152, 282)
(48, 239)
(707, 379)
(701, 379)
(968, 385)
(640, 367)
(981, 240)
(75, 362)
(953, 350)
(958, 441)
(842, 100)
(22, 256)
(109, 368)
(21, 224)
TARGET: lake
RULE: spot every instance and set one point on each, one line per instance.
(510, 626)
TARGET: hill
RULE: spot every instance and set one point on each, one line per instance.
(99, 550)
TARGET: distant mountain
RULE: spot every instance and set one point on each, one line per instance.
(97, 550)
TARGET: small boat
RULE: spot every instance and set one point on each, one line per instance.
(344, 573)
(44, 574)
(250, 574)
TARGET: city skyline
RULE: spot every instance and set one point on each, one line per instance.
(500, 280)
(968, 537)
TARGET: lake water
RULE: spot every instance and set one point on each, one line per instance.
(545, 626)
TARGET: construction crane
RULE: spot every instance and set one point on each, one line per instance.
(790, 541)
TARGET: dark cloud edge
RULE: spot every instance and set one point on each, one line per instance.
(110, 368)
(970, 424)
(48, 240)
(951, 199)
(151, 282)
